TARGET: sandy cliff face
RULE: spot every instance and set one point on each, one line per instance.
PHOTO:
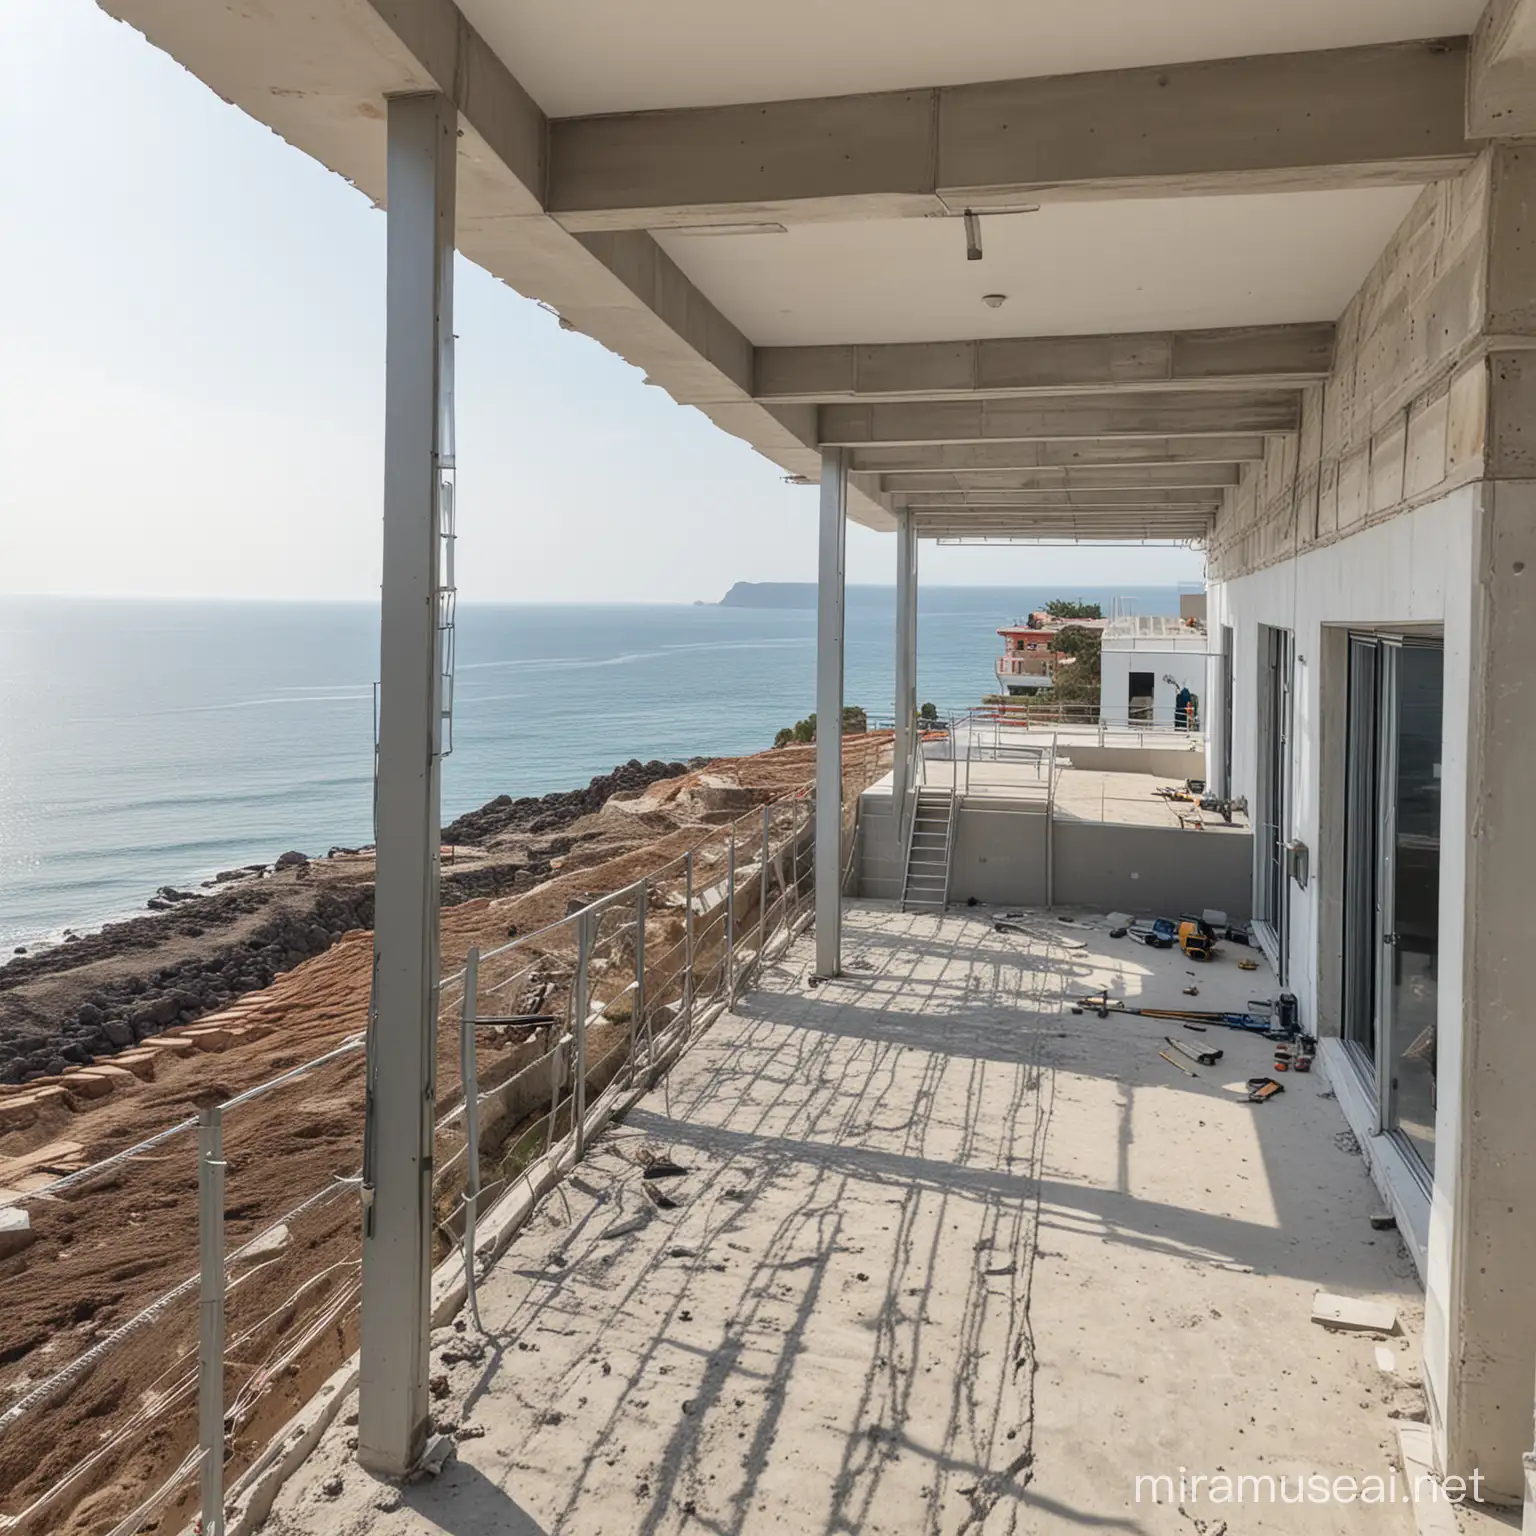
(103, 1250)
(198, 951)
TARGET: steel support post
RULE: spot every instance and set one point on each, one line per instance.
(1050, 828)
(904, 744)
(586, 922)
(393, 1412)
(762, 890)
(730, 918)
(829, 711)
(469, 1081)
(637, 1021)
(210, 1344)
(687, 943)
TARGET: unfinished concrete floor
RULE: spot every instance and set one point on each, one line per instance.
(948, 1258)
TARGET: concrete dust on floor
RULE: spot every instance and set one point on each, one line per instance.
(945, 1257)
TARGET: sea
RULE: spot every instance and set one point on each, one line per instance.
(147, 743)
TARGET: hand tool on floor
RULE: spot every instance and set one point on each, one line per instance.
(1175, 1062)
(1158, 934)
(1196, 938)
(1261, 1088)
(1249, 1021)
(1206, 1055)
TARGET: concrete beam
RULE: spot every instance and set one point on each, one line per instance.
(1192, 477)
(320, 75)
(1235, 358)
(925, 500)
(1345, 117)
(1059, 417)
(1155, 524)
(1501, 72)
(1072, 455)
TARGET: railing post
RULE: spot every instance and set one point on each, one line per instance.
(1050, 828)
(579, 1007)
(557, 1059)
(688, 943)
(469, 1082)
(210, 1350)
(730, 920)
(762, 899)
(637, 1017)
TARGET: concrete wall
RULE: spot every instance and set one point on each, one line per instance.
(1411, 499)
(1186, 667)
(1170, 762)
(1416, 568)
(999, 855)
(1400, 419)
(1153, 871)
(879, 871)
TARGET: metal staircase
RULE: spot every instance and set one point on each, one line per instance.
(926, 887)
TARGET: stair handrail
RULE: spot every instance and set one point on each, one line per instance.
(906, 863)
(951, 827)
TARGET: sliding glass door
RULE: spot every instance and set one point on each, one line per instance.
(1272, 800)
(1392, 876)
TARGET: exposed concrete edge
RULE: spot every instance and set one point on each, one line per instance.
(286, 1452)
(1388, 1168)
(290, 1448)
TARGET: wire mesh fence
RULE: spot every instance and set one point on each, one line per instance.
(262, 1275)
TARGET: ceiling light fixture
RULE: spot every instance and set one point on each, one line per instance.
(994, 300)
(972, 236)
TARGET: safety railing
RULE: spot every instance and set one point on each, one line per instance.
(193, 1378)
(552, 1026)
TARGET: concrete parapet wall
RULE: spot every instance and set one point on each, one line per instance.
(1167, 762)
(999, 855)
(881, 871)
(1153, 871)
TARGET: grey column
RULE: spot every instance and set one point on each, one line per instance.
(393, 1409)
(906, 663)
(829, 711)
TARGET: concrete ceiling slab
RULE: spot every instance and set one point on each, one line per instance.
(1129, 265)
(583, 56)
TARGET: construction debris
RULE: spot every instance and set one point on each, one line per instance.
(1349, 1312)
(1206, 1055)
(1173, 1061)
(15, 1230)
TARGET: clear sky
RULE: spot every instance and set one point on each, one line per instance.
(191, 381)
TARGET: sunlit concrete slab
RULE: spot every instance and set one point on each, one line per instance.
(946, 1257)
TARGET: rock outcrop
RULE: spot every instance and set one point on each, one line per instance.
(554, 812)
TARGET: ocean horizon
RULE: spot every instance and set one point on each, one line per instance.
(150, 742)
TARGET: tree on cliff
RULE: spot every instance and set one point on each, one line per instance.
(855, 723)
(1075, 681)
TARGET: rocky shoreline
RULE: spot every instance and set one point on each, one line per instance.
(198, 951)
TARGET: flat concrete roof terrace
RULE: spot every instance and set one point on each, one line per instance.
(946, 1257)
